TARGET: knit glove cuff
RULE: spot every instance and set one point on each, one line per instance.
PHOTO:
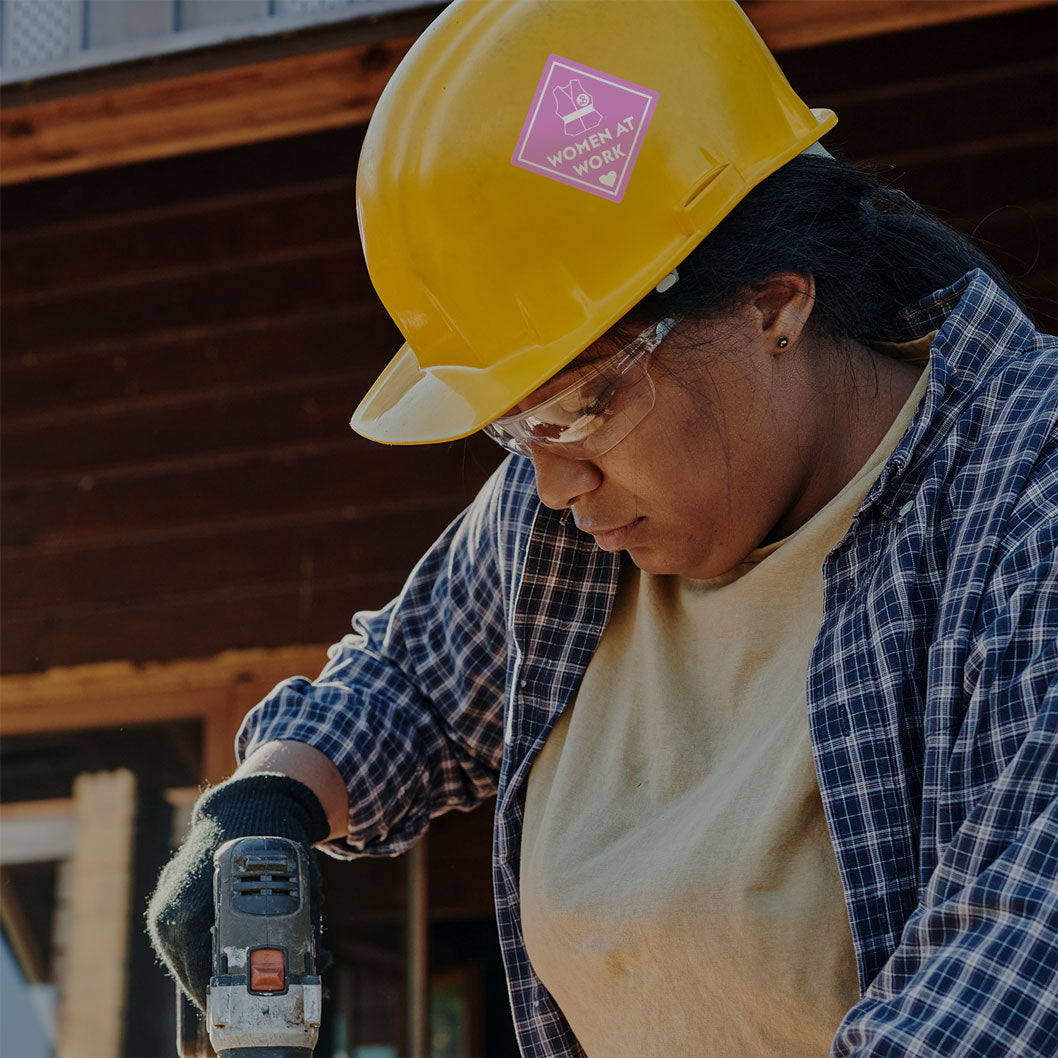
(265, 803)
(180, 912)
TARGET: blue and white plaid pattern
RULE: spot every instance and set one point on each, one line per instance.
(933, 699)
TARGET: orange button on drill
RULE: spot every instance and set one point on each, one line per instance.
(266, 970)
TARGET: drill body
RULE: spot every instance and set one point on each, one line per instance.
(264, 995)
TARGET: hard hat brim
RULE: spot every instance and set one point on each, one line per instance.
(409, 404)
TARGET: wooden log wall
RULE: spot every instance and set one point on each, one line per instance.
(964, 117)
(184, 340)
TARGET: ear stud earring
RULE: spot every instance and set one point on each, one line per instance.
(783, 342)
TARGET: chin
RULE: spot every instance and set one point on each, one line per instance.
(659, 564)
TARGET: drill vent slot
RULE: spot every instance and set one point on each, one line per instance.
(264, 883)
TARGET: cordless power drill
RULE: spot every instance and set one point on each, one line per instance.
(264, 995)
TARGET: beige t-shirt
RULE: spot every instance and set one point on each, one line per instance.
(680, 894)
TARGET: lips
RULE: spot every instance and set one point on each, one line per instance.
(616, 539)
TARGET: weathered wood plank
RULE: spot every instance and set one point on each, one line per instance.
(932, 115)
(36, 831)
(271, 617)
(243, 104)
(175, 182)
(259, 351)
(352, 476)
(786, 25)
(120, 693)
(298, 410)
(853, 68)
(99, 913)
(1022, 172)
(301, 280)
(328, 276)
(105, 249)
(227, 560)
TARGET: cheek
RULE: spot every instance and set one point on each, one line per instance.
(673, 478)
(644, 470)
(675, 465)
(689, 456)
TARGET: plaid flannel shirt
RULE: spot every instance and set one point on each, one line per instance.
(932, 691)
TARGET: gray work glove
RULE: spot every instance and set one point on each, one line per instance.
(180, 912)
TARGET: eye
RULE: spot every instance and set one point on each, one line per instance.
(601, 401)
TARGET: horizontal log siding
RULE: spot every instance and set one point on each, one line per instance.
(183, 344)
(184, 340)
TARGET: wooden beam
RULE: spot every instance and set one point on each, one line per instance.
(65, 699)
(789, 24)
(259, 101)
(218, 690)
(36, 830)
(95, 963)
(221, 108)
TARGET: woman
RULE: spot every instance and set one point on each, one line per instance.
(753, 636)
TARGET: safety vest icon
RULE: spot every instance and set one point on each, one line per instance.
(576, 108)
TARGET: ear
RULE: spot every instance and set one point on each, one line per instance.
(781, 306)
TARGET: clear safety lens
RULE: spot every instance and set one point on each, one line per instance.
(590, 416)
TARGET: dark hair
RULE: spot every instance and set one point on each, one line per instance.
(872, 250)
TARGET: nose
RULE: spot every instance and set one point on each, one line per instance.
(561, 481)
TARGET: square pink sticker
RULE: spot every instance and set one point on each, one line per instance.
(585, 128)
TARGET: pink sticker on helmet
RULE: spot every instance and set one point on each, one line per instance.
(585, 128)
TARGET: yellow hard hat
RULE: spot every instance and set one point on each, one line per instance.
(533, 169)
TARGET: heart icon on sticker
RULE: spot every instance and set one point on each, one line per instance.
(608, 179)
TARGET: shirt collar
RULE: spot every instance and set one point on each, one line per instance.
(979, 330)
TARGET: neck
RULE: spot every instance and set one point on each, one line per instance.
(868, 390)
(879, 389)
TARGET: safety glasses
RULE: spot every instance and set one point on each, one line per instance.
(604, 403)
